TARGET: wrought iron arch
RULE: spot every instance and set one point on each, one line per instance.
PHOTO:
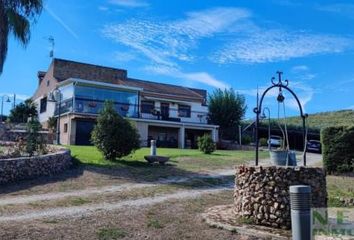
(281, 85)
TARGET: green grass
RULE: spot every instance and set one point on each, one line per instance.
(339, 187)
(110, 233)
(182, 162)
(77, 201)
(187, 159)
(154, 223)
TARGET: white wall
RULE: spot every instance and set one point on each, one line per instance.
(43, 117)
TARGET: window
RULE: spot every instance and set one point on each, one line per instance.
(43, 105)
(184, 111)
(65, 127)
(147, 106)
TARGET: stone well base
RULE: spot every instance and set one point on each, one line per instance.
(262, 193)
(223, 217)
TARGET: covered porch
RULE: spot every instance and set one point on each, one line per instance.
(173, 134)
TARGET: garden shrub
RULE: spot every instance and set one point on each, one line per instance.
(246, 139)
(338, 148)
(34, 140)
(113, 135)
(206, 144)
(263, 142)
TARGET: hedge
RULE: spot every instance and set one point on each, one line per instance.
(338, 148)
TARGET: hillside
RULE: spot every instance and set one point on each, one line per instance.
(320, 120)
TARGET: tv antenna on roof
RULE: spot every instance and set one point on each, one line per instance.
(51, 41)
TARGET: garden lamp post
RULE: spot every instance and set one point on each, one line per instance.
(55, 97)
(264, 116)
(2, 105)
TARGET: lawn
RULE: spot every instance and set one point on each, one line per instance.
(339, 187)
(187, 159)
(183, 161)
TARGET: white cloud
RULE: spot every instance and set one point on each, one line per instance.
(167, 42)
(299, 68)
(302, 72)
(344, 9)
(124, 56)
(103, 8)
(130, 3)
(200, 77)
(61, 22)
(262, 46)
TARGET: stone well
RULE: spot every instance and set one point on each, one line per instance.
(262, 193)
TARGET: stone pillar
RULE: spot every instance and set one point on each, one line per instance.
(153, 148)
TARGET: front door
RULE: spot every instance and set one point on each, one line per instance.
(165, 111)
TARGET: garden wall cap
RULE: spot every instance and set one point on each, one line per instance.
(300, 189)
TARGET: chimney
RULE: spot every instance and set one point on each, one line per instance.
(40, 76)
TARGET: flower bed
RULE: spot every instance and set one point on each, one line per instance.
(25, 167)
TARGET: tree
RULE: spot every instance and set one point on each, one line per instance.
(23, 111)
(113, 135)
(16, 17)
(226, 109)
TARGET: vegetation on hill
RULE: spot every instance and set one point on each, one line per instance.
(315, 122)
(325, 119)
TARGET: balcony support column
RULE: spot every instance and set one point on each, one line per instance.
(181, 137)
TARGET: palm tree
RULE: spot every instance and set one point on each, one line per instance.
(16, 17)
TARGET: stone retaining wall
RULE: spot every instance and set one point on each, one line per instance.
(262, 193)
(15, 169)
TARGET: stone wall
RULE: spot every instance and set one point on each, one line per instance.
(262, 193)
(12, 132)
(15, 169)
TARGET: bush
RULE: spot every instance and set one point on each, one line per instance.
(246, 140)
(337, 148)
(34, 140)
(206, 144)
(114, 136)
(263, 142)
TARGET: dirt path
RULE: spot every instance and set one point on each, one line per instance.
(26, 199)
(313, 160)
(78, 211)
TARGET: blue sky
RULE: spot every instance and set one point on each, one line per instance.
(201, 43)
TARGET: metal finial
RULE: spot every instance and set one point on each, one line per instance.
(280, 81)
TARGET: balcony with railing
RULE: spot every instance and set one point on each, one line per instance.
(90, 100)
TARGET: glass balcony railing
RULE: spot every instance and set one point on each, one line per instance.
(94, 107)
(85, 106)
